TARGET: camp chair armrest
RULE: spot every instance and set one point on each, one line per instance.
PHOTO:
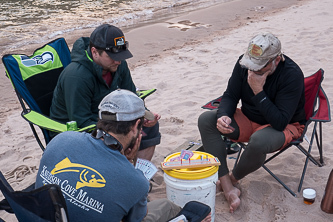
(87, 128)
(43, 121)
(144, 93)
(323, 114)
(49, 124)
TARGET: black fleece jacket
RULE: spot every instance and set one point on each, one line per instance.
(280, 103)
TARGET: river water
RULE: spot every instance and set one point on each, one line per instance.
(25, 22)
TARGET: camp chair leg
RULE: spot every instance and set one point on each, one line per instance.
(303, 174)
(275, 177)
(242, 146)
(36, 137)
(268, 170)
(308, 155)
(320, 143)
(276, 154)
(238, 155)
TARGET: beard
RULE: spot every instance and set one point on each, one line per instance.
(273, 68)
(133, 140)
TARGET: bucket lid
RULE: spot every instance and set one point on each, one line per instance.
(192, 173)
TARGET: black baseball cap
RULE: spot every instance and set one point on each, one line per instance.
(112, 40)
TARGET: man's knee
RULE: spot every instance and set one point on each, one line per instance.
(266, 140)
(151, 137)
(207, 119)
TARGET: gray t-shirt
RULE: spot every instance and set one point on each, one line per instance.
(98, 183)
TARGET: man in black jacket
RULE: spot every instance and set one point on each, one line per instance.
(270, 87)
(98, 67)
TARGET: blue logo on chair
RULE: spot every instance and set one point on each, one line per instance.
(37, 60)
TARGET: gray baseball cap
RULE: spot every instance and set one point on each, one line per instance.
(261, 49)
(123, 105)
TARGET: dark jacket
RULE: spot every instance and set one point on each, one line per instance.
(81, 88)
(280, 103)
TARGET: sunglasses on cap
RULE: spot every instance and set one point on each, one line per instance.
(116, 49)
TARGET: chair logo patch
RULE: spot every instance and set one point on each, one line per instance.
(37, 60)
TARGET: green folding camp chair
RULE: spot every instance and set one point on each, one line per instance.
(34, 79)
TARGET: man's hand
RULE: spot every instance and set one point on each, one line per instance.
(257, 81)
(150, 123)
(223, 125)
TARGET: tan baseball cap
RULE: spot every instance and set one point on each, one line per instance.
(261, 49)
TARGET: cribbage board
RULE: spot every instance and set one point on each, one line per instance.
(195, 163)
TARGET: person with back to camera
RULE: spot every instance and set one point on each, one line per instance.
(96, 172)
(98, 67)
(270, 87)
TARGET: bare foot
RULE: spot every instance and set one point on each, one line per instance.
(233, 199)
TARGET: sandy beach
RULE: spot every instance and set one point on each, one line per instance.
(189, 59)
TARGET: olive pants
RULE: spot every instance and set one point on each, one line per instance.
(261, 142)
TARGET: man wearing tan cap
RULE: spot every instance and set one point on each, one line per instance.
(270, 87)
(98, 67)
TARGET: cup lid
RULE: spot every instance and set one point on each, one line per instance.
(309, 193)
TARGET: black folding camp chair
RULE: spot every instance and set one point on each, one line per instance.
(317, 109)
(44, 204)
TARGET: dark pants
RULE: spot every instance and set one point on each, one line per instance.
(261, 142)
(150, 136)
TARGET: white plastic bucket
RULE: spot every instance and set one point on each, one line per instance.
(202, 188)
